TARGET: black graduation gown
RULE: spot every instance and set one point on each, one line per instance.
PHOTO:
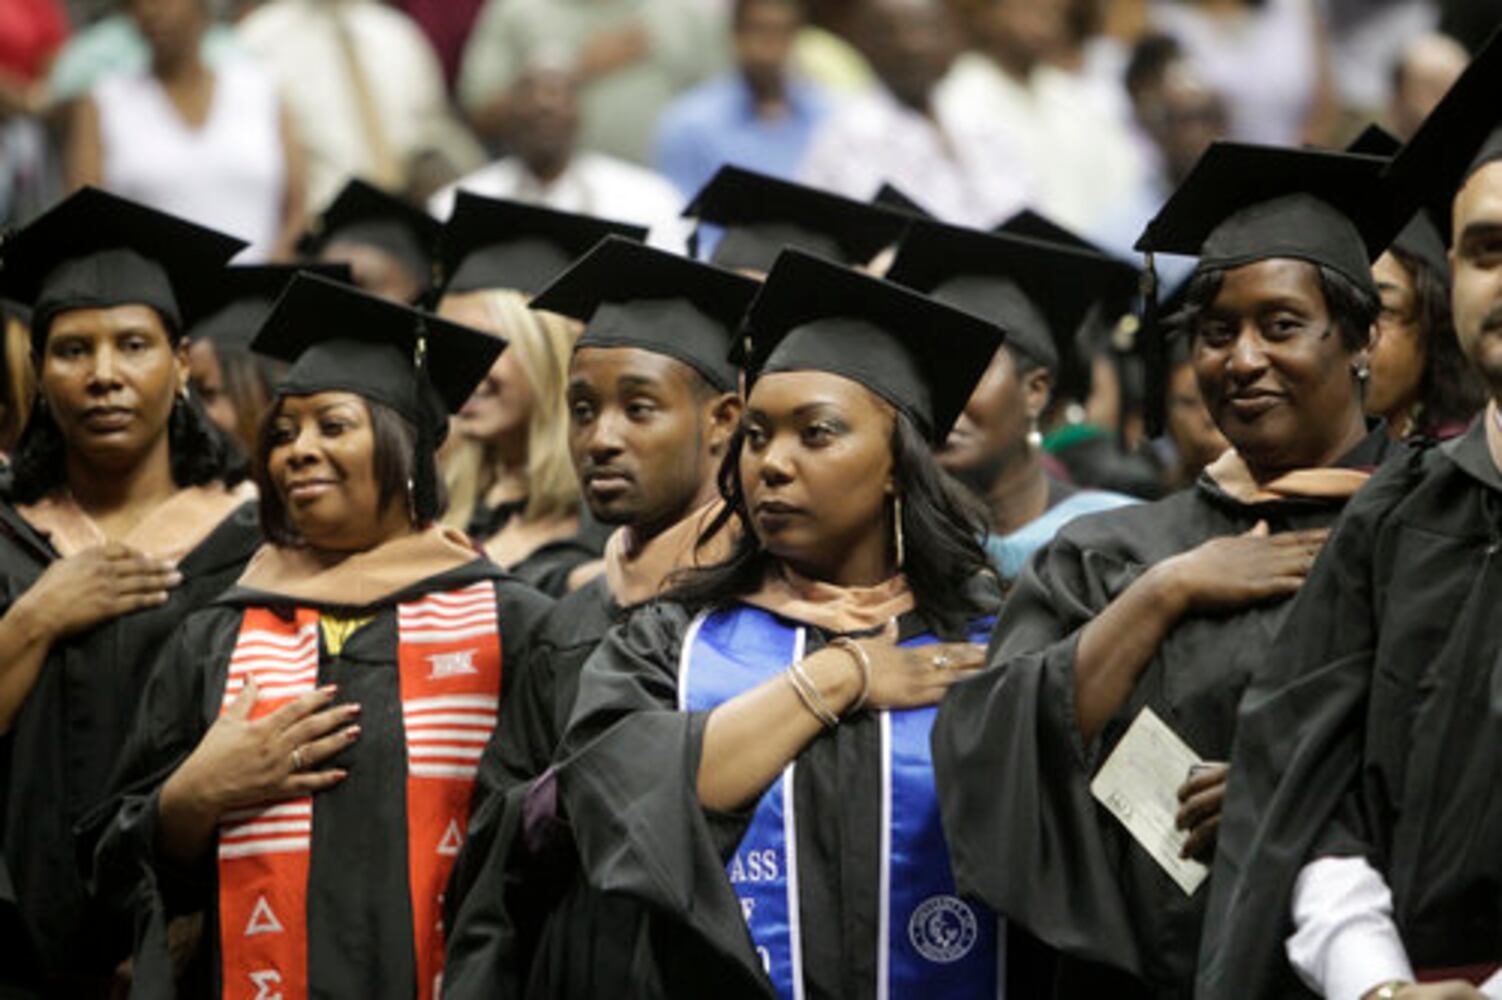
(525, 924)
(628, 787)
(60, 753)
(547, 567)
(359, 923)
(1013, 772)
(1378, 729)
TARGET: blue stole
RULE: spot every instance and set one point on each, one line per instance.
(930, 943)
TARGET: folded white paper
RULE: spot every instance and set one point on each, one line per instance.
(1139, 783)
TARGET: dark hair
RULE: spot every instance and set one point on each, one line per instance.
(394, 462)
(200, 452)
(1150, 59)
(1450, 391)
(1352, 308)
(941, 523)
(739, 8)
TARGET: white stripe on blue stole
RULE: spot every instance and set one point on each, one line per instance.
(930, 942)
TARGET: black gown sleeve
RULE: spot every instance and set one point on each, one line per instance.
(129, 874)
(1013, 770)
(1297, 755)
(628, 785)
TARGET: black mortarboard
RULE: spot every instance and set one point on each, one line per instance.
(630, 295)
(497, 243)
(1038, 226)
(1460, 136)
(1421, 237)
(364, 214)
(1244, 203)
(340, 339)
(761, 215)
(922, 356)
(98, 250)
(236, 301)
(1038, 292)
(890, 196)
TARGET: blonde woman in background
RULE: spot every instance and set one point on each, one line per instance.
(511, 484)
(17, 377)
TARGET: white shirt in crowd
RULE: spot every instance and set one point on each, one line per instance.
(229, 174)
(1082, 158)
(594, 184)
(956, 165)
(301, 43)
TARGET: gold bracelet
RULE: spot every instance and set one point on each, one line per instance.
(1388, 990)
(810, 696)
(862, 663)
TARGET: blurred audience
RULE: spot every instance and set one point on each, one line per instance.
(112, 45)
(1079, 158)
(546, 167)
(448, 24)
(1267, 58)
(955, 159)
(758, 116)
(365, 88)
(631, 58)
(211, 145)
(1425, 68)
(1179, 115)
(31, 32)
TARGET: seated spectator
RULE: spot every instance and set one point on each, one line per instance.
(112, 45)
(213, 145)
(546, 167)
(955, 161)
(365, 89)
(756, 116)
(1180, 115)
(1080, 158)
(1268, 59)
(631, 57)
(1425, 69)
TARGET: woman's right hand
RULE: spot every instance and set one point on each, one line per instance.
(243, 762)
(1238, 571)
(903, 676)
(96, 585)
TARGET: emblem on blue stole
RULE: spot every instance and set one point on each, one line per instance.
(929, 940)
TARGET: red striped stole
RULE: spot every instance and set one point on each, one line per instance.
(449, 665)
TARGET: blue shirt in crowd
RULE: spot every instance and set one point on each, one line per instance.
(716, 123)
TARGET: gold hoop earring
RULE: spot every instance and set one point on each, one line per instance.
(897, 531)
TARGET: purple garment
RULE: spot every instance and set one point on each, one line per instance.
(447, 23)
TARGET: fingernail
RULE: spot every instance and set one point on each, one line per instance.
(174, 578)
(352, 709)
(352, 732)
(328, 689)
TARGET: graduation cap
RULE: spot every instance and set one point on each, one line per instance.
(1038, 226)
(1243, 203)
(364, 214)
(339, 339)
(630, 295)
(1038, 292)
(98, 250)
(497, 243)
(1421, 237)
(893, 198)
(922, 356)
(235, 302)
(1460, 136)
(761, 215)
